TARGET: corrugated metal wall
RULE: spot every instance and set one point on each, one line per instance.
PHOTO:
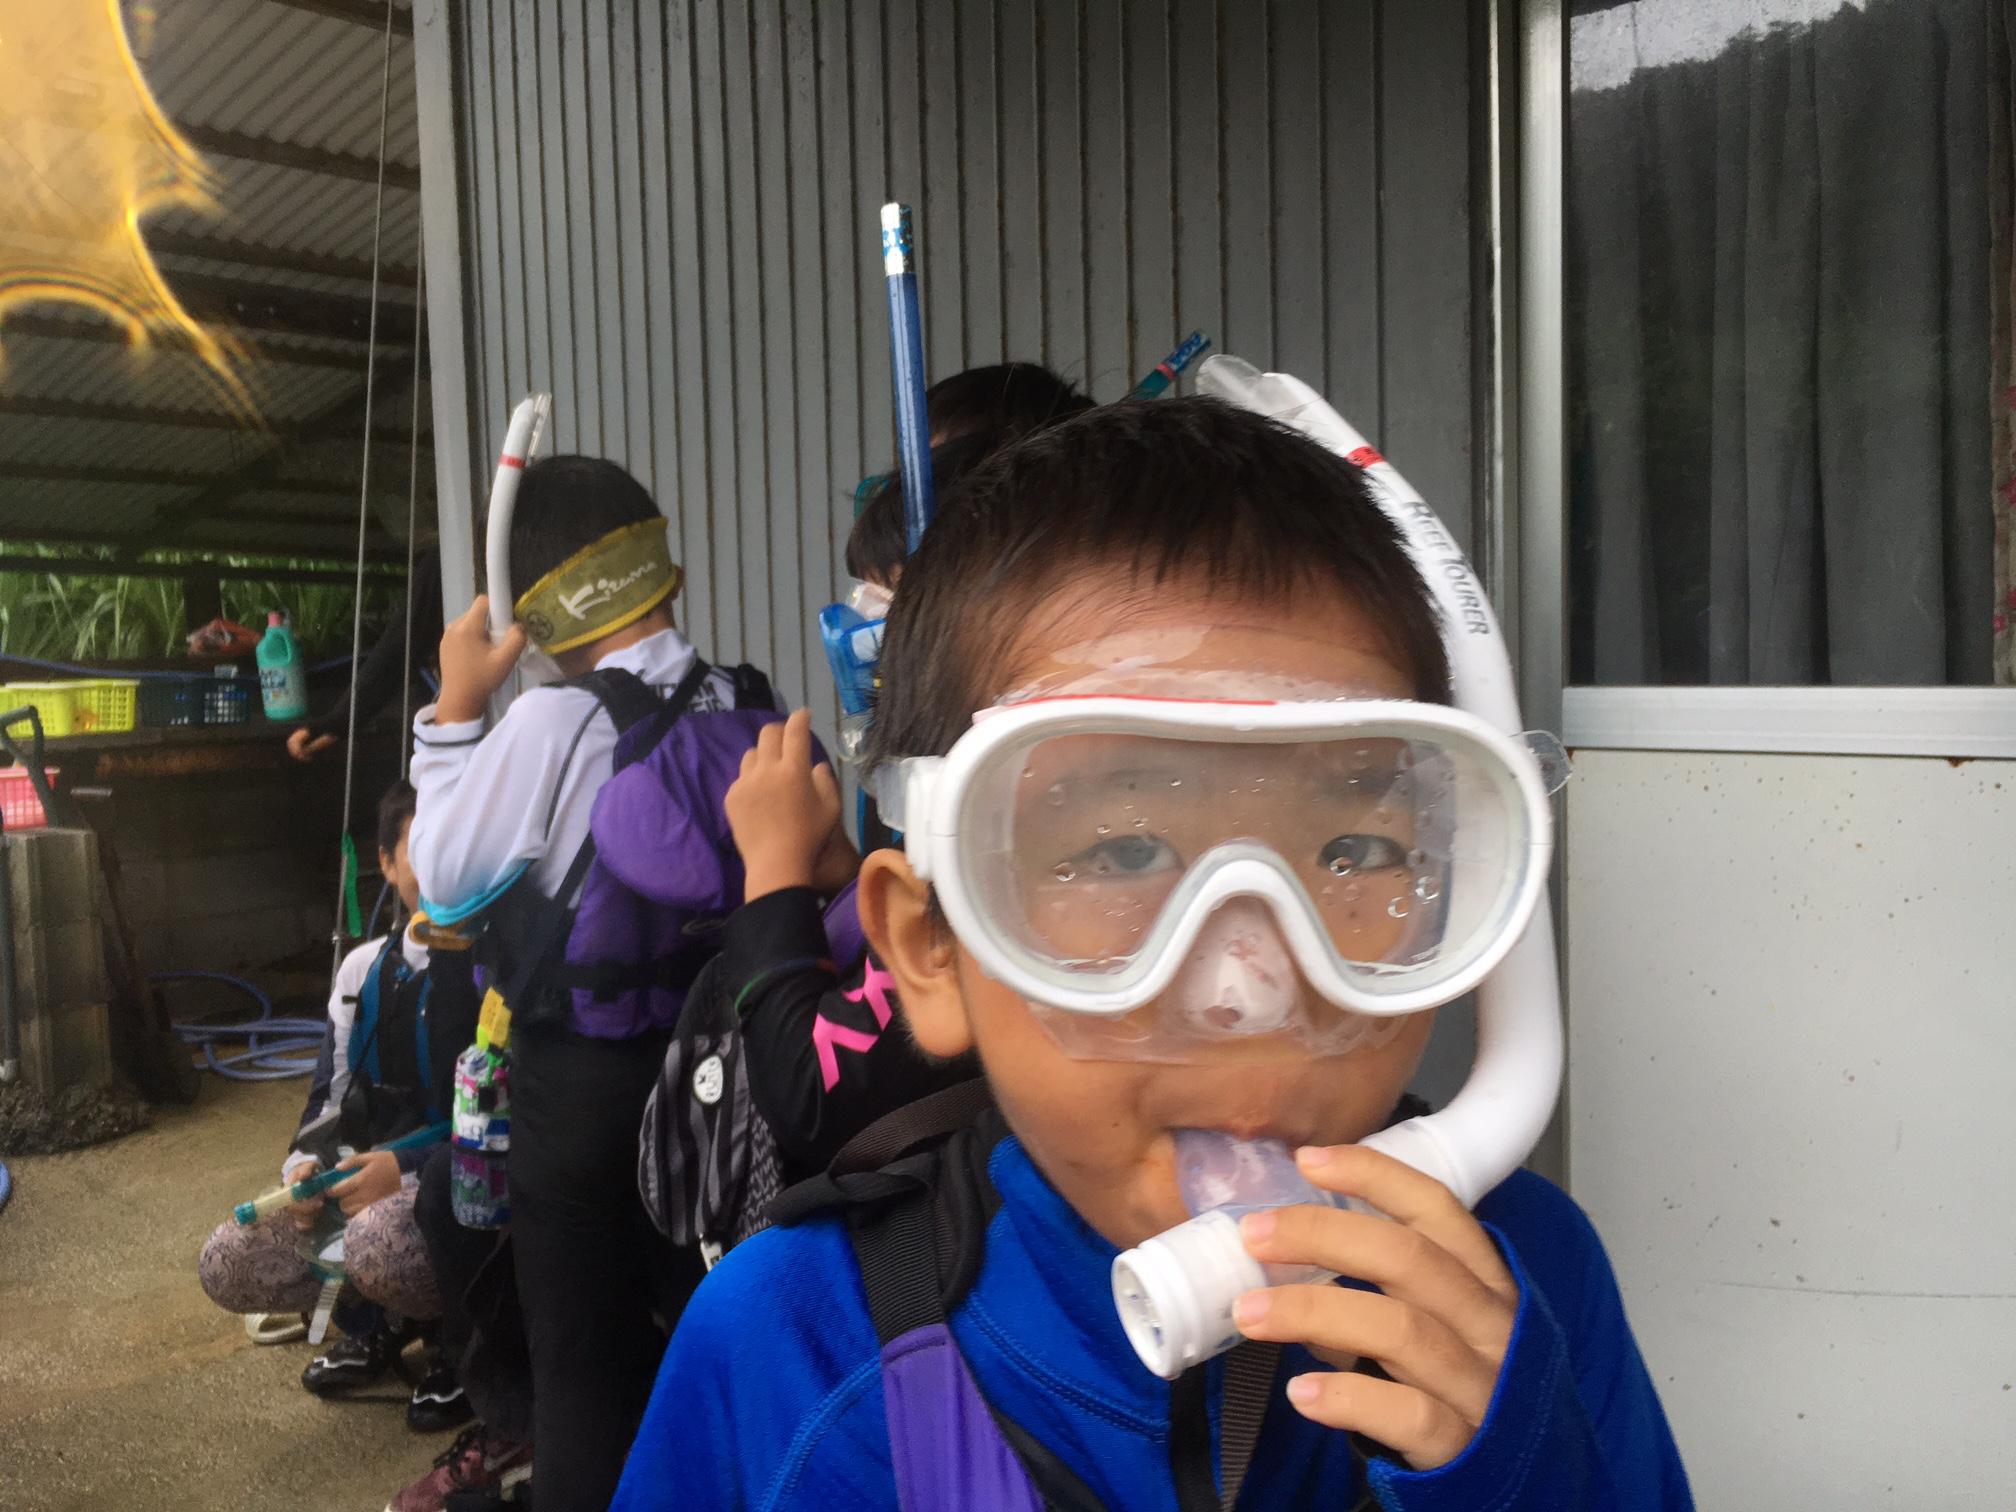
(667, 217)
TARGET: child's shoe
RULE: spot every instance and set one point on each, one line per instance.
(438, 1402)
(351, 1362)
(478, 1467)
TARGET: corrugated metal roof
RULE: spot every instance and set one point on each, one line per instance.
(283, 81)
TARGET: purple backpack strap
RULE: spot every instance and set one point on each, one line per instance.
(945, 1447)
(943, 1443)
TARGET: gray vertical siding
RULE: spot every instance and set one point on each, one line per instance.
(667, 217)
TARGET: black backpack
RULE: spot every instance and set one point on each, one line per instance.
(707, 1165)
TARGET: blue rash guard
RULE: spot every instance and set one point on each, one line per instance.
(770, 1396)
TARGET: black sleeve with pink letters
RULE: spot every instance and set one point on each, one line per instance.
(826, 1056)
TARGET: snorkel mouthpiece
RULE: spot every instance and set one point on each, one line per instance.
(1175, 1292)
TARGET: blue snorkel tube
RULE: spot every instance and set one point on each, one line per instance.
(906, 372)
(853, 641)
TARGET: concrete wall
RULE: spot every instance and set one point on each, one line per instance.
(1792, 1039)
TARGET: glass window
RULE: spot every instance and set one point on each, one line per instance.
(1789, 276)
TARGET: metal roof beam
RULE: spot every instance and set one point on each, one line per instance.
(331, 420)
(257, 149)
(105, 333)
(153, 477)
(85, 566)
(363, 12)
(34, 407)
(132, 549)
(274, 308)
(278, 260)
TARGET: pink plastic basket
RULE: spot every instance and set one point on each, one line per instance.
(20, 804)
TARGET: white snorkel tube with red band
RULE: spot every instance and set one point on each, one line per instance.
(1494, 1122)
(1175, 1291)
(521, 444)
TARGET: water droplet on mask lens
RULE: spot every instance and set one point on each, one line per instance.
(1055, 797)
(1065, 871)
(1342, 866)
(1103, 829)
(1027, 773)
(1399, 908)
(1175, 782)
(1139, 823)
(1427, 889)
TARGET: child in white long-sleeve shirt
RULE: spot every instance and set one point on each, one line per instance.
(504, 829)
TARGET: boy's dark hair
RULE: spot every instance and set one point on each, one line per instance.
(1153, 490)
(568, 502)
(1012, 398)
(395, 812)
(975, 414)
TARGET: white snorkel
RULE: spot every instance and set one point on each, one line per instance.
(521, 445)
(1175, 1291)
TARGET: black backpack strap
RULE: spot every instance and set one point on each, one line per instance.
(929, 1118)
(624, 696)
(752, 687)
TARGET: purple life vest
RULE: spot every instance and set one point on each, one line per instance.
(657, 876)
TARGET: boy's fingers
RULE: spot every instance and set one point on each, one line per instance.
(1406, 1195)
(825, 784)
(797, 738)
(1403, 1262)
(1339, 1324)
(477, 613)
(770, 740)
(1408, 1421)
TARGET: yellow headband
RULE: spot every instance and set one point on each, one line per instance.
(604, 586)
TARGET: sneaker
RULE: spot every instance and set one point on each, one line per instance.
(438, 1403)
(479, 1465)
(352, 1362)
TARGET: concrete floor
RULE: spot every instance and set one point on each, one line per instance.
(121, 1385)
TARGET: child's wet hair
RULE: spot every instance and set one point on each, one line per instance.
(567, 502)
(1151, 491)
(395, 812)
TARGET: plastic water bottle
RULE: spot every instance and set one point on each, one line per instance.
(283, 681)
(481, 1149)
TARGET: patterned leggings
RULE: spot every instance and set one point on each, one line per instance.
(258, 1269)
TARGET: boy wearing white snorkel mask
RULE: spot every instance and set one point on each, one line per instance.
(1167, 709)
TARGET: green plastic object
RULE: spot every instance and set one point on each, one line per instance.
(248, 1213)
(353, 913)
(283, 679)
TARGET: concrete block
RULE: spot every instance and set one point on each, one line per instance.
(59, 959)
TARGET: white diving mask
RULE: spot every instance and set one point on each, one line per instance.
(1156, 874)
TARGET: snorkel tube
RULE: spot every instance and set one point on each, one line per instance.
(1493, 1123)
(906, 372)
(1175, 1291)
(521, 443)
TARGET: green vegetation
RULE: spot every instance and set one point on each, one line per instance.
(64, 617)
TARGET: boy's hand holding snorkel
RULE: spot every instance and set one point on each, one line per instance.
(1438, 1326)
(785, 815)
(473, 666)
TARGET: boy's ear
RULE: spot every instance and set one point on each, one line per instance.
(911, 940)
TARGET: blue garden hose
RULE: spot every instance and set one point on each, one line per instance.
(277, 1048)
(6, 1186)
